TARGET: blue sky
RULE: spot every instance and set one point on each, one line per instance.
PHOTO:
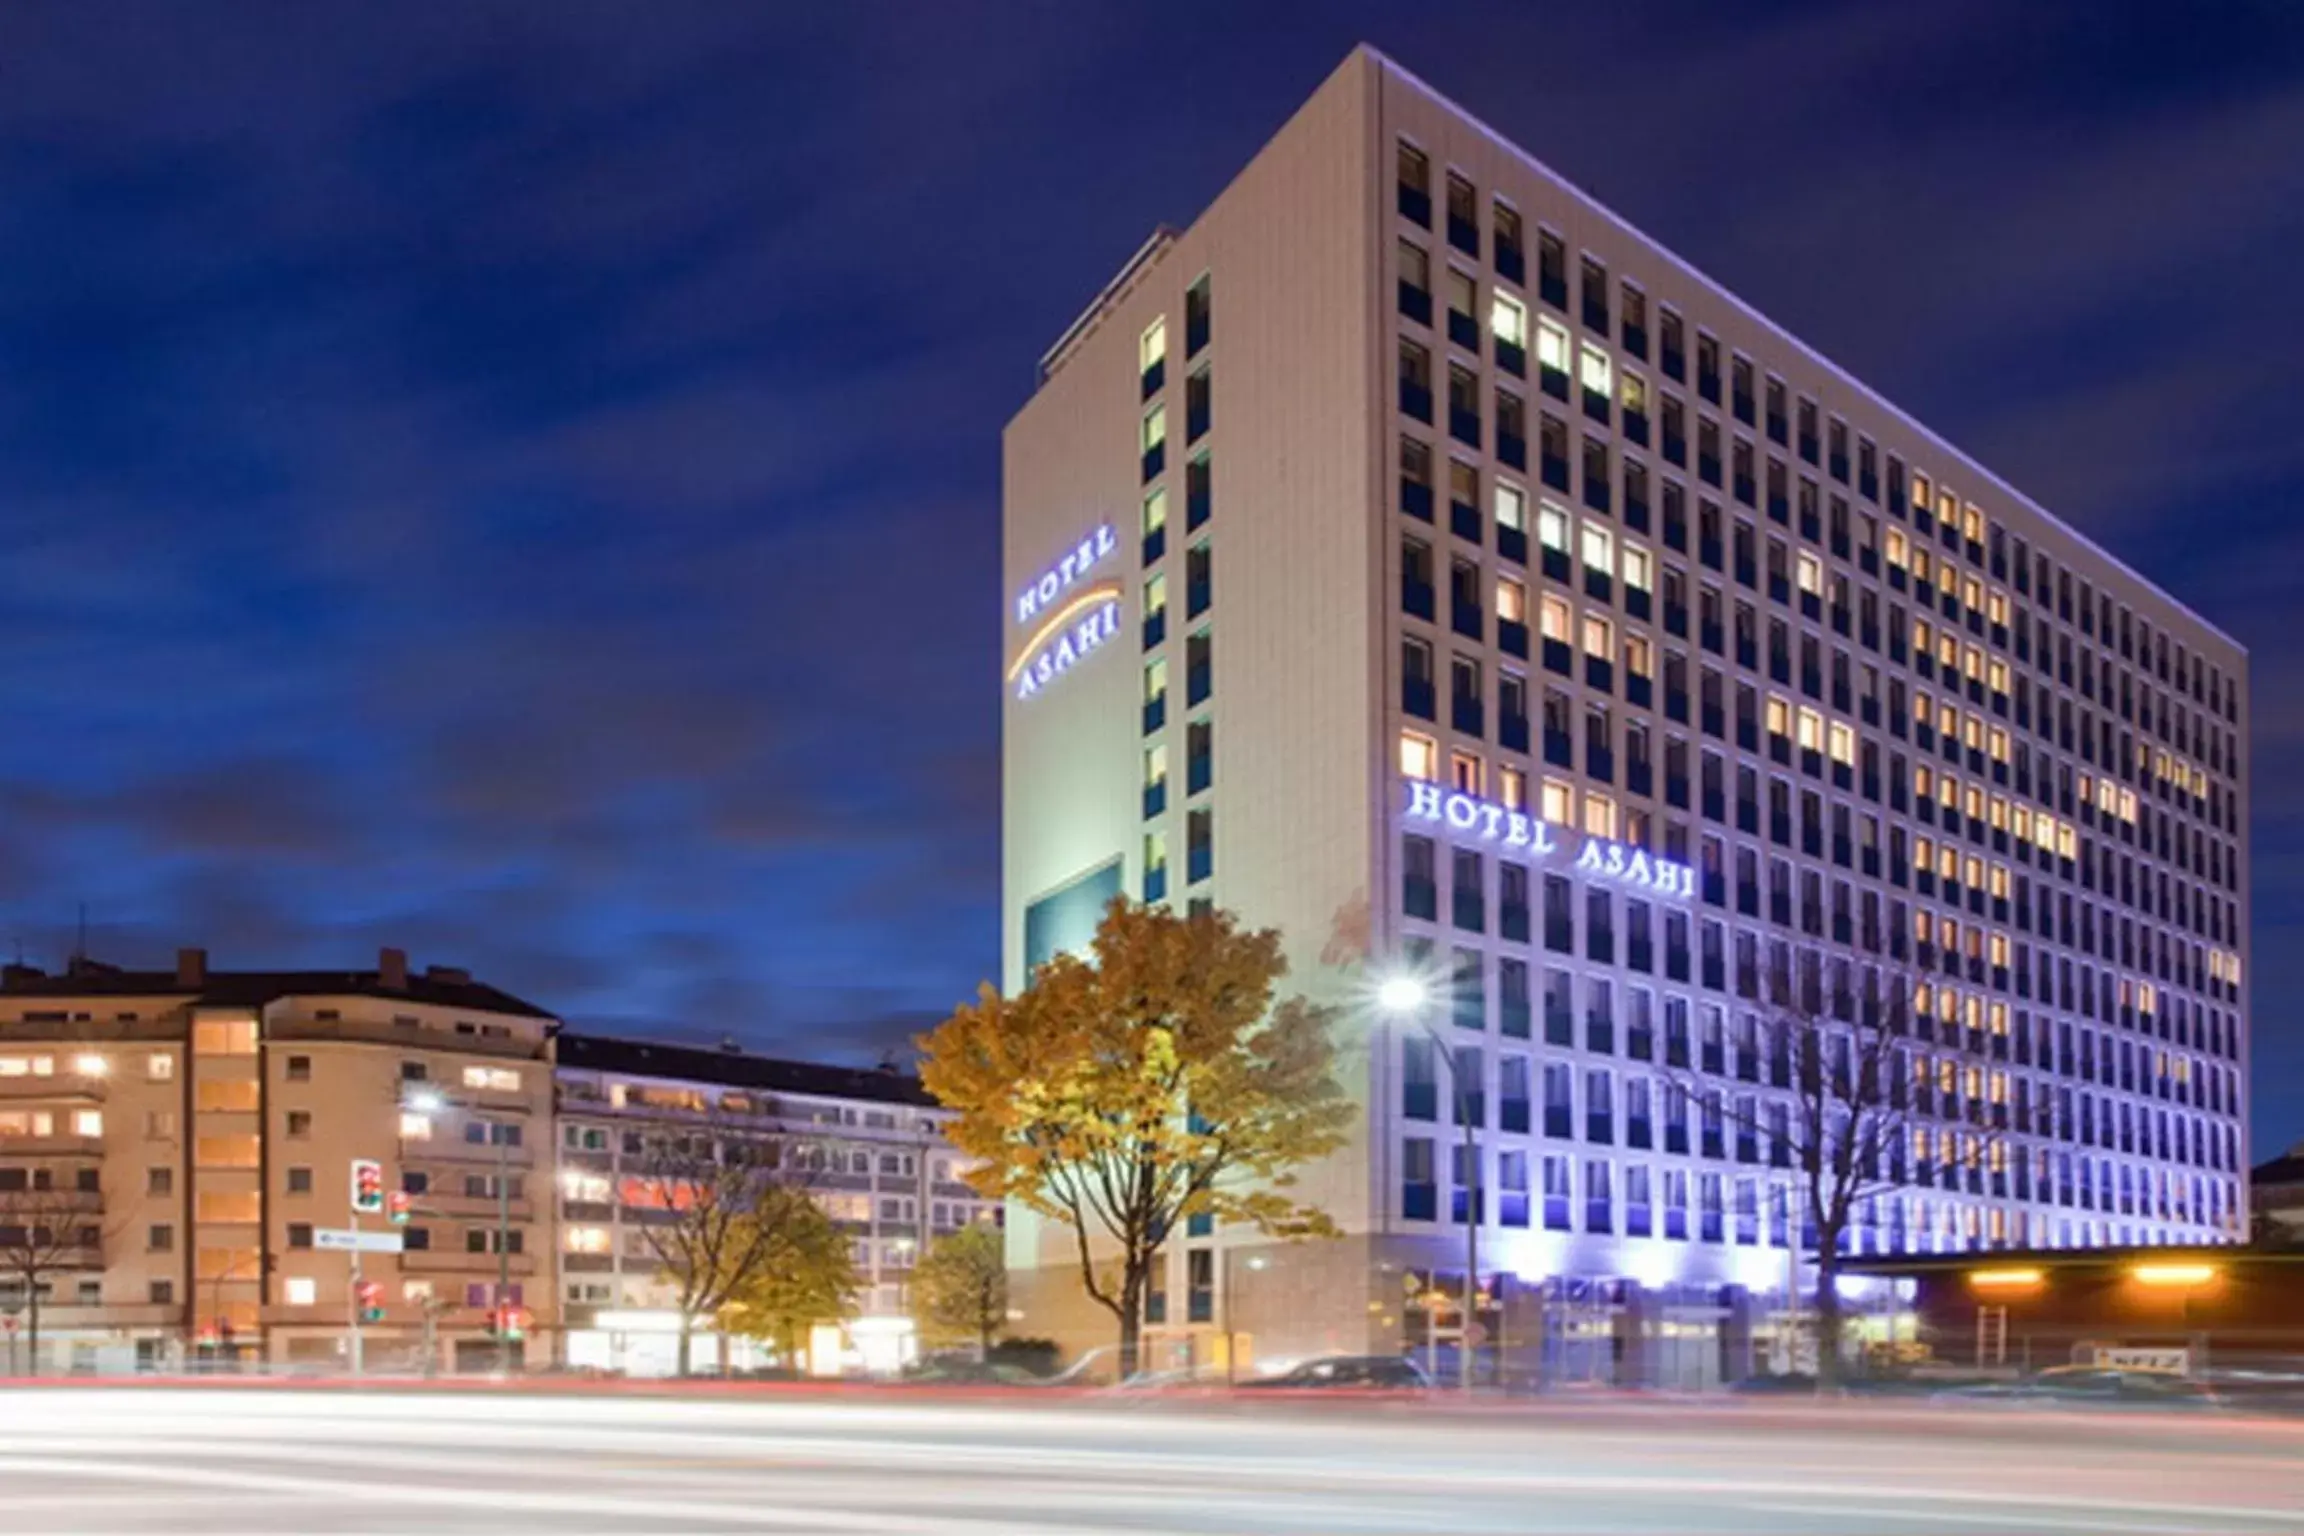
(521, 481)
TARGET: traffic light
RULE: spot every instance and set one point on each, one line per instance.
(367, 1186)
(508, 1323)
(368, 1295)
(396, 1207)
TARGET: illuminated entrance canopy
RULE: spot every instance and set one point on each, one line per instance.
(1069, 620)
(1471, 817)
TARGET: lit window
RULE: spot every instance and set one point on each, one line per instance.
(1552, 346)
(1155, 594)
(1637, 568)
(415, 1127)
(1779, 716)
(1511, 507)
(1152, 346)
(1599, 637)
(1419, 757)
(1811, 731)
(160, 1066)
(586, 1239)
(1558, 798)
(1599, 816)
(1464, 772)
(1632, 391)
(87, 1122)
(1843, 742)
(1554, 616)
(1512, 788)
(1511, 600)
(1155, 428)
(1155, 510)
(1896, 552)
(492, 1079)
(1811, 574)
(301, 1290)
(1552, 527)
(1973, 525)
(1599, 550)
(1639, 656)
(1920, 491)
(1594, 372)
(1508, 318)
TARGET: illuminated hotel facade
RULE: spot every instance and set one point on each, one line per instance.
(1413, 557)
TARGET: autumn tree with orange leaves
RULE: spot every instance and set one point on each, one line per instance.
(1155, 1079)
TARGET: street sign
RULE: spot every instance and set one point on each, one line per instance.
(349, 1240)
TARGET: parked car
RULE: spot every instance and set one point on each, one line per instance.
(2081, 1386)
(1378, 1373)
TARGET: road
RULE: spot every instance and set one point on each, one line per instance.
(261, 1459)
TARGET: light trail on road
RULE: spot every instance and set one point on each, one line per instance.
(281, 1459)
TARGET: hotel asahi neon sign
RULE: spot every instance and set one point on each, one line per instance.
(1068, 619)
(1471, 818)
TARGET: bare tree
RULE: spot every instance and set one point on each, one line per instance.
(46, 1233)
(704, 1184)
(1867, 1095)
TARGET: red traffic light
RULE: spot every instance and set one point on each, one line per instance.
(396, 1207)
(367, 1186)
(369, 1293)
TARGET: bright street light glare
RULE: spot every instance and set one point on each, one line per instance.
(1400, 994)
(91, 1066)
(425, 1102)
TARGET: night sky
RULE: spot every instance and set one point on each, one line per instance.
(521, 482)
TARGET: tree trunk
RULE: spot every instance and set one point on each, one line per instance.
(1131, 1324)
(32, 1334)
(684, 1346)
(1828, 1321)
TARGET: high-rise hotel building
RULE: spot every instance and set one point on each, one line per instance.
(1414, 557)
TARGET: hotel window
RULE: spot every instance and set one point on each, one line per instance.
(1779, 716)
(1811, 731)
(1464, 772)
(1511, 600)
(1811, 574)
(1639, 656)
(1154, 434)
(1508, 318)
(1512, 788)
(1558, 800)
(1594, 373)
(1556, 618)
(1419, 756)
(1552, 527)
(1511, 505)
(1599, 550)
(1152, 347)
(1637, 570)
(1843, 742)
(1599, 637)
(1552, 352)
(1155, 521)
(1600, 816)
(1415, 281)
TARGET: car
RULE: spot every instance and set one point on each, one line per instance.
(1367, 1373)
(2081, 1386)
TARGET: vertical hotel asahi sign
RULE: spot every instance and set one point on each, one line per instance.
(1065, 616)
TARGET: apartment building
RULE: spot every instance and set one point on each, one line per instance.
(1413, 556)
(869, 1144)
(194, 1133)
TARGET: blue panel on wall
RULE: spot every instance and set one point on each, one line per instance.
(1064, 921)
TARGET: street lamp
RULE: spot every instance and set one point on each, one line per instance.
(1405, 997)
(428, 1102)
(1232, 1333)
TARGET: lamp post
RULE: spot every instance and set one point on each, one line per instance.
(1404, 997)
(1231, 1332)
(429, 1102)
